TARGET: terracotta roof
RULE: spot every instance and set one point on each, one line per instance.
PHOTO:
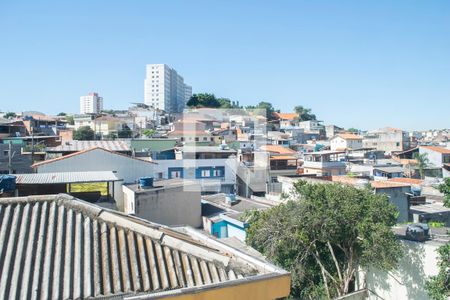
(285, 116)
(407, 180)
(283, 157)
(85, 151)
(350, 136)
(387, 184)
(277, 149)
(188, 132)
(437, 149)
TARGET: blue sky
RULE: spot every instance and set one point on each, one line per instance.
(364, 64)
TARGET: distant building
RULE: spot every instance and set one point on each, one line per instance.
(165, 89)
(91, 104)
(387, 139)
(439, 158)
(324, 163)
(344, 141)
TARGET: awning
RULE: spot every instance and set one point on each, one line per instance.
(66, 177)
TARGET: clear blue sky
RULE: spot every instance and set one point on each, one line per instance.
(364, 64)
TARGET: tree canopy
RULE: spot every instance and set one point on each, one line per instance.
(438, 286)
(422, 163)
(149, 132)
(263, 105)
(209, 100)
(125, 132)
(445, 189)
(9, 115)
(324, 235)
(84, 133)
(304, 114)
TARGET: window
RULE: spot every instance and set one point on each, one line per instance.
(175, 174)
(205, 138)
(217, 173)
(196, 139)
(206, 173)
(160, 175)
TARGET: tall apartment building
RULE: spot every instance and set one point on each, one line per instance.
(165, 89)
(91, 104)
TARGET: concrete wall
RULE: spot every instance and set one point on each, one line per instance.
(398, 197)
(408, 281)
(168, 206)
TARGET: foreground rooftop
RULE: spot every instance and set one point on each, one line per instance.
(57, 246)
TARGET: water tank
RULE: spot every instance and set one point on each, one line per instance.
(146, 182)
(7, 183)
(417, 232)
(416, 190)
(230, 198)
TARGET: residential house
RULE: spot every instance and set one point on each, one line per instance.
(345, 141)
(212, 167)
(224, 215)
(287, 120)
(439, 159)
(98, 159)
(387, 139)
(324, 163)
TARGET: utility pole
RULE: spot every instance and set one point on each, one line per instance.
(10, 170)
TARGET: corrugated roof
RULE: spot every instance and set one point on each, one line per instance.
(65, 177)
(85, 151)
(59, 247)
(75, 146)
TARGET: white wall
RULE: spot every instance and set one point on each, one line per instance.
(126, 168)
(408, 281)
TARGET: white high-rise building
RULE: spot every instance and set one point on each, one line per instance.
(91, 104)
(165, 89)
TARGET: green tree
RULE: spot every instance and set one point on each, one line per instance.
(125, 132)
(61, 114)
(325, 235)
(203, 100)
(422, 163)
(10, 115)
(353, 130)
(149, 132)
(70, 120)
(304, 114)
(445, 189)
(264, 106)
(84, 133)
(438, 287)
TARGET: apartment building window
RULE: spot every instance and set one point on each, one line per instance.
(206, 173)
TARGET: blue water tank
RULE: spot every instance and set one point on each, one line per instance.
(7, 183)
(146, 182)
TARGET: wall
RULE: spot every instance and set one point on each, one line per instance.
(408, 281)
(397, 196)
(126, 168)
(169, 206)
